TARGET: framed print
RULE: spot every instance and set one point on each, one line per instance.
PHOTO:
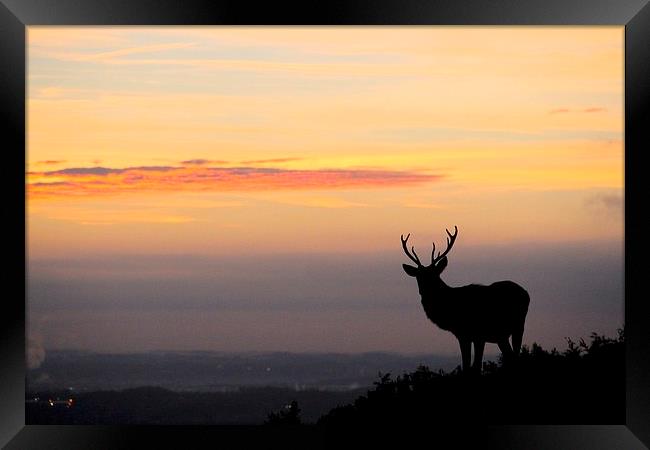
(205, 201)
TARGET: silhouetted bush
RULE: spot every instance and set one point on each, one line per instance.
(289, 415)
(584, 384)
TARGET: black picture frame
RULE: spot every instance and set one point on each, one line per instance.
(15, 15)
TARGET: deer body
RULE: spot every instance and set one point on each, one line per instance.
(474, 313)
(479, 313)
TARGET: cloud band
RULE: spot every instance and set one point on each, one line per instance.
(92, 181)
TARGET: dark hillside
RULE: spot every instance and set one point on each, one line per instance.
(584, 384)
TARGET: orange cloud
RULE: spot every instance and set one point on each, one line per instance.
(591, 110)
(51, 162)
(584, 110)
(93, 181)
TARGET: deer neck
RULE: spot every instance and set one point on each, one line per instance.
(437, 305)
(440, 291)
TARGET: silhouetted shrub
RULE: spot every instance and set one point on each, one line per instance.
(288, 415)
(584, 384)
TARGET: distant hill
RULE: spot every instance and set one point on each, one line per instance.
(219, 372)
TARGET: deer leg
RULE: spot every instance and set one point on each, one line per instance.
(506, 350)
(516, 340)
(466, 353)
(479, 346)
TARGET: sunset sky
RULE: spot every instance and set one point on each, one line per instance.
(233, 188)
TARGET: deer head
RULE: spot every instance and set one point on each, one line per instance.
(428, 277)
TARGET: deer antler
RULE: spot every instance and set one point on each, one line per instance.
(450, 243)
(413, 257)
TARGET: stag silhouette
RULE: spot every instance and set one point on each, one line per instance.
(474, 313)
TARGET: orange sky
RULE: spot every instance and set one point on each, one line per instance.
(162, 139)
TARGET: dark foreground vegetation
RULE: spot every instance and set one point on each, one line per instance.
(584, 384)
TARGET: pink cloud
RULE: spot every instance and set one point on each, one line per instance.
(92, 181)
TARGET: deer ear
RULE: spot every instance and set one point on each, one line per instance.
(410, 270)
(442, 264)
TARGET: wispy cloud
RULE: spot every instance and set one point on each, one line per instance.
(92, 181)
(110, 56)
(202, 162)
(323, 202)
(422, 205)
(295, 68)
(428, 134)
(117, 217)
(593, 109)
(131, 218)
(51, 162)
(270, 161)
